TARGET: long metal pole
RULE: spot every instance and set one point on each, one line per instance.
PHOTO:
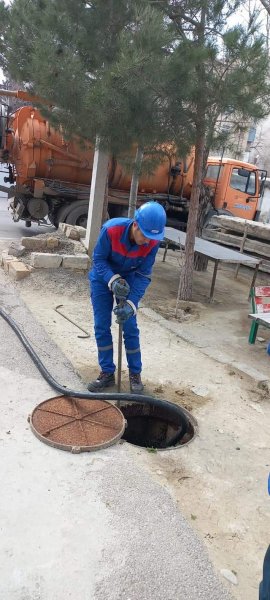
(119, 366)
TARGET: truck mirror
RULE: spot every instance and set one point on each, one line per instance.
(244, 172)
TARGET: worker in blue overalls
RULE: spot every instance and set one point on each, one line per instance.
(122, 263)
(264, 591)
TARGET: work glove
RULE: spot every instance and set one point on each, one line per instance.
(120, 288)
(124, 312)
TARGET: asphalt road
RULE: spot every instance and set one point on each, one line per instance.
(14, 231)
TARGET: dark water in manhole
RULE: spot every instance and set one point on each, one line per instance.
(151, 426)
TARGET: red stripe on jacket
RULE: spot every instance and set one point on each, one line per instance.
(115, 234)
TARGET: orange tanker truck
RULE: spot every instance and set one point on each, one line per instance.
(50, 176)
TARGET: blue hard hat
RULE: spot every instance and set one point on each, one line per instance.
(151, 219)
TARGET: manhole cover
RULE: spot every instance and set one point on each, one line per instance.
(77, 425)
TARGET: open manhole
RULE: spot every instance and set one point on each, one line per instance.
(158, 426)
(77, 425)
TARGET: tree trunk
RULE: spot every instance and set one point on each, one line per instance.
(205, 204)
(135, 183)
(186, 281)
(187, 272)
(105, 215)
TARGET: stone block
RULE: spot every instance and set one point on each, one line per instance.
(16, 249)
(52, 243)
(46, 261)
(4, 254)
(18, 270)
(62, 227)
(6, 260)
(81, 231)
(34, 243)
(80, 261)
(72, 233)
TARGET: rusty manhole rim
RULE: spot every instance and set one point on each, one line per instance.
(73, 448)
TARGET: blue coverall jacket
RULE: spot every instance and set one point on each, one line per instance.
(114, 254)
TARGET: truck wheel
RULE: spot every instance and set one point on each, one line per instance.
(78, 214)
(63, 213)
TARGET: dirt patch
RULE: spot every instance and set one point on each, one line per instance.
(185, 311)
(182, 396)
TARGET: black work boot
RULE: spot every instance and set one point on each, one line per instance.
(103, 380)
(136, 385)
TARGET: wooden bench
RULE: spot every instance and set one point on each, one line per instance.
(260, 299)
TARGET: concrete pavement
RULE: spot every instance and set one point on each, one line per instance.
(93, 526)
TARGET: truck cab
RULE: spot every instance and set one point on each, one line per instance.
(238, 187)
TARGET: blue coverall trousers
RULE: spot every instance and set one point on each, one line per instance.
(264, 593)
(102, 300)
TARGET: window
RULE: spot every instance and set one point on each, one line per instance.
(244, 181)
(214, 172)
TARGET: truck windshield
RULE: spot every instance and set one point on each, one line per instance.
(243, 182)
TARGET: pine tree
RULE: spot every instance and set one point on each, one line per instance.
(223, 70)
(142, 74)
(94, 61)
(3, 25)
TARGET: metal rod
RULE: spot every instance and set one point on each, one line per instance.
(73, 322)
(119, 365)
(121, 302)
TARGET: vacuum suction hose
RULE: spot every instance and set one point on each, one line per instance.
(139, 398)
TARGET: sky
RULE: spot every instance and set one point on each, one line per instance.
(240, 16)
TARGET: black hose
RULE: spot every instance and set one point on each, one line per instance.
(139, 398)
